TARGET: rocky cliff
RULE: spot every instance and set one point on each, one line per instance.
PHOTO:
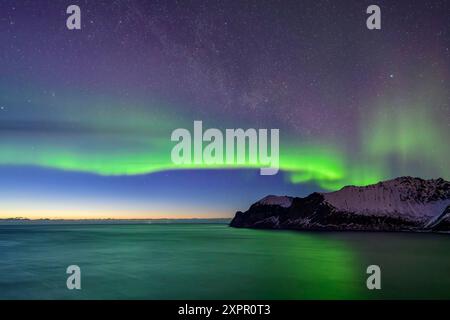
(402, 204)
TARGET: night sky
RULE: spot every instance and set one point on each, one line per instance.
(86, 115)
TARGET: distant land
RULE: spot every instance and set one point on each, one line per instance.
(401, 204)
(25, 221)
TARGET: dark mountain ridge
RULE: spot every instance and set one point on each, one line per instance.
(401, 204)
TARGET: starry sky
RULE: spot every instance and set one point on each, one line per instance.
(86, 115)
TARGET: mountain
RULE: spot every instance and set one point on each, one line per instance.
(401, 204)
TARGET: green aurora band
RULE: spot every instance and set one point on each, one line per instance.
(119, 138)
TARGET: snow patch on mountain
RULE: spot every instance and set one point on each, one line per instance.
(413, 198)
(271, 200)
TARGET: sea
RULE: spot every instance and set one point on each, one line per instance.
(215, 261)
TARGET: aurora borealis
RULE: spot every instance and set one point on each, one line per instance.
(86, 115)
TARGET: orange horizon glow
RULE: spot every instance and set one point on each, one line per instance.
(107, 215)
(76, 209)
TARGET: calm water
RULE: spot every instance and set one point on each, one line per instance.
(190, 261)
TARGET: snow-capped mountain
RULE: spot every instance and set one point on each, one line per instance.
(283, 201)
(404, 203)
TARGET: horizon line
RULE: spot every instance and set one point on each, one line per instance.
(102, 219)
